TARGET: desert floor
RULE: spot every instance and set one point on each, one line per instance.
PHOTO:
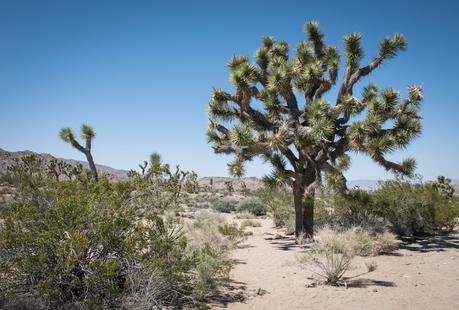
(421, 274)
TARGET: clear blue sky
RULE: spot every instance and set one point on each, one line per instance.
(140, 72)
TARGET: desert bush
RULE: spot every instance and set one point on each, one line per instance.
(415, 208)
(253, 205)
(209, 269)
(406, 208)
(225, 205)
(330, 256)
(73, 243)
(365, 243)
(371, 266)
(210, 240)
(332, 252)
(245, 215)
(360, 240)
(250, 223)
(344, 211)
(204, 232)
(279, 204)
(232, 232)
(384, 243)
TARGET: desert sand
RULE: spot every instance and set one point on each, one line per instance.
(421, 274)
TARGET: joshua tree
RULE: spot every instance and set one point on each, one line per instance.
(143, 167)
(87, 133)
(277, 110)
(443, 185)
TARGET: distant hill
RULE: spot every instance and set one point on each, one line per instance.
(6, 158)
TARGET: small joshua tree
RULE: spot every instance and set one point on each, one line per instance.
(443, 185)
(87, 133)
(277, 110)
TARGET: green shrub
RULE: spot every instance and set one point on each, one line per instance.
(210, 241)
(416, 208)
(225, 205)
(356, 208)
(253, 205)
(407, 208)
(74, 243)
(279, 204)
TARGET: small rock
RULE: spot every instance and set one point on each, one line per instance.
(261, 291)
(375, 290)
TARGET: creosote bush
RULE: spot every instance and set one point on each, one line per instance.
(404, 207)
(79, 243)
(416, 208)
(225, 205)
(252, 205)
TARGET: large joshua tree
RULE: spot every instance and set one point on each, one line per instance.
(277, 110)
(87, 134)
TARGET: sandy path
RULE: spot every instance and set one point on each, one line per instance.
(423, 276)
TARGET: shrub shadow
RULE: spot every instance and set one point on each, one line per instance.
(364, 283)
(426, 244)
(229, 291)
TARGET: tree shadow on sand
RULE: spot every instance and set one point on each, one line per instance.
(229, 291)
(364, 283)
(427, 244)
(285, 243)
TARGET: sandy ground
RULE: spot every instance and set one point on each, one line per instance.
(420, 275)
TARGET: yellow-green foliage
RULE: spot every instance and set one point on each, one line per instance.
(252, 205)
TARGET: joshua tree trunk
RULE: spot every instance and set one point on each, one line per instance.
(92, 166)
(304, 207)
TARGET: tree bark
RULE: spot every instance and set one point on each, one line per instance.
(304, 208)
(92, 166)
